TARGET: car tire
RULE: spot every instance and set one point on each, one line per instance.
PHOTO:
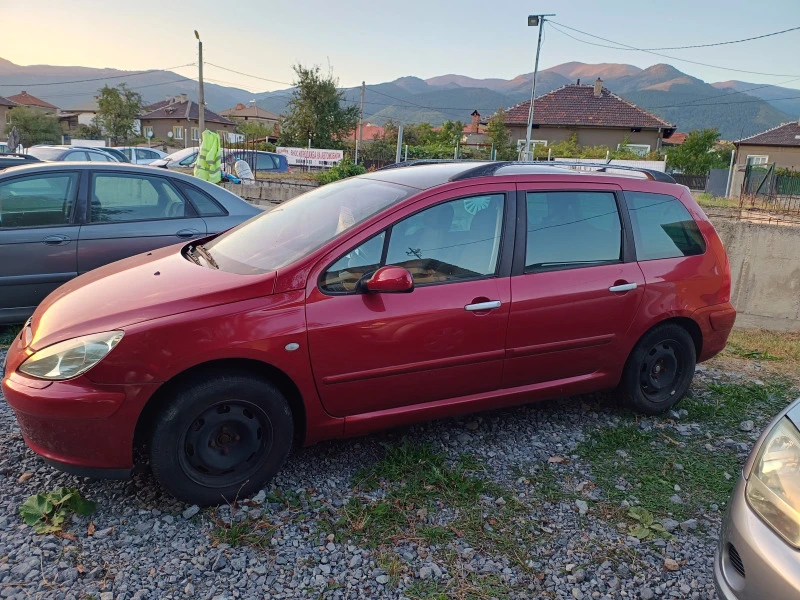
(221, 439)
(659, 370)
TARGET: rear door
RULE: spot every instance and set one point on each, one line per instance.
(38, 239)
(131, 213)
(577, 286)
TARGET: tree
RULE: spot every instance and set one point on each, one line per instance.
(253, 129)
(697, 156)
(34, 127)
(117, 110)
(316, 111)
(451, 132)
(500, 137)
(87, 132)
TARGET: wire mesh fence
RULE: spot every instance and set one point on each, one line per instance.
(770, 195)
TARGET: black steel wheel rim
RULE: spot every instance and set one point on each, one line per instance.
(661, 370)
(226, 443)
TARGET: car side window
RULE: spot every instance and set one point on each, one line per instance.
(38, 201)
(205, 206)
(189, 160)
(448, 242)
(75, 155)
(571, 229)
(99, 157)
(343, 275)
(119, 197)
(662, 227)
(264, 162)
(128, 153)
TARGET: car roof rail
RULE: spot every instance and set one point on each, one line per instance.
(652, 174)
(426, 161)
(28, 157)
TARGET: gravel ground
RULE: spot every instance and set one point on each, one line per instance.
(146, 545)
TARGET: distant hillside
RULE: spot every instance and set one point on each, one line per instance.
(153, 86)
(784, 99)
(688, 102)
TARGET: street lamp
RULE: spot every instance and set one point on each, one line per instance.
(534, 21)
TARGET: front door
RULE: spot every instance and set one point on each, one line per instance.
(579, 289)
(445, 339)
(129, 214)
(38, 239)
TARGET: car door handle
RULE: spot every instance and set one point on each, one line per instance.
(624, 287)
(187, 233)
(56, 240)
(479, 306)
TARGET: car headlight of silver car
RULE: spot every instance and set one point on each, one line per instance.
(70, 358)
(773, 488)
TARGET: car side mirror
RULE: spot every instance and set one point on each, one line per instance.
(389, 280)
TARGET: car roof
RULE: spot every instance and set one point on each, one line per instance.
(427, 174)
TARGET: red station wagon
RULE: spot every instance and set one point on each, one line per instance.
(404, 294)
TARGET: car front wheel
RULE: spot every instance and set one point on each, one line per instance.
(221, 438)
(660, 369)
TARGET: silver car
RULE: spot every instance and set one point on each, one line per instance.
(758, 556)
(141, 156)
(62, 219)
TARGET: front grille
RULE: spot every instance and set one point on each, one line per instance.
(736, 560)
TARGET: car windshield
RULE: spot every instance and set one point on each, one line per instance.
(292, 230)
(46, 153)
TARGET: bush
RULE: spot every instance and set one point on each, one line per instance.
(346, 168)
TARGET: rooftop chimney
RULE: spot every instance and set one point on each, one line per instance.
(476, 120)
(598, 87)
(240, 106)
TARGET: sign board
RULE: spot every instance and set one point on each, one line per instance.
(314, 157)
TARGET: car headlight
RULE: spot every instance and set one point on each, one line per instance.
(773, 488)
(70, 358)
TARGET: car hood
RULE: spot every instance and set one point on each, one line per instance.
(144, 287)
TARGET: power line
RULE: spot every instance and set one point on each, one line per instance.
(248, 75)
(150, 71)
(621, 46)
(722, 103)
(750, 39)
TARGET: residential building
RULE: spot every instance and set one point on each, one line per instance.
(676, 139)
(779, 145)
(34, 103)
(176, 120)
(369, 132)
(5, 109)
(72, 118)
(596, 115)
(251, 114)
(475, 132)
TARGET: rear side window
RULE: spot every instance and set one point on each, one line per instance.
(572, 229)
(662, 227)
(264, 162)
(205, 206)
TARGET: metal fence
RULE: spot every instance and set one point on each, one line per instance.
(693, 182)
(247, 150)
(770, 195)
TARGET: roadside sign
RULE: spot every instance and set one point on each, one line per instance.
(314, 157)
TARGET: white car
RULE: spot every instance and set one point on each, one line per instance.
(181, 159)
(141, 156)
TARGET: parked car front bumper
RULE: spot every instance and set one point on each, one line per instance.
(78, 426)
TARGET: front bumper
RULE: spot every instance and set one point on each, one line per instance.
(771, 567)
(78, 426)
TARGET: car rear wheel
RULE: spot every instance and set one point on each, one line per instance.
(220, 439)
(659, 370)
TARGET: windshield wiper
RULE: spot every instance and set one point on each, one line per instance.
(206, 256)
(190, 253)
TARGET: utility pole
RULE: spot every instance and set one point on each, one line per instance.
(533, 21)
(360, 139)
(399, 144)
(201, 118)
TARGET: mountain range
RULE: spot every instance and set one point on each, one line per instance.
(736, 108)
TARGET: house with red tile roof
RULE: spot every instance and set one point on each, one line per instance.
(676, 139)
(596, 115)
(369, 133)
(177, 119)
(779, 145)
(5, 107)
(34, 103)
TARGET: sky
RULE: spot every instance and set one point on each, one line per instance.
(378, 41)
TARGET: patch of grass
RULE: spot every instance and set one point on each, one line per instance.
(761, 344)
(707, 200)
(8, 333)
(651, 455)
(373, 522)
(433, 534)
(252, 532)
(426, 590)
